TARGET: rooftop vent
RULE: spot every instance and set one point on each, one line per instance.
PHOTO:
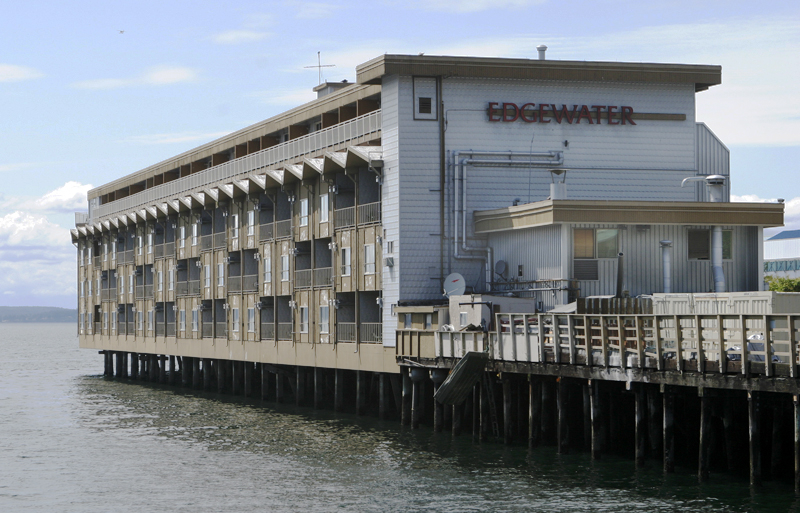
(541, 49)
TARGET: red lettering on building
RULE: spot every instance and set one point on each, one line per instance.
(610, 115)
(626, 115)
(492, 107)
(508, 112)
(524, 117)
(561, 114)
(584, 115)
(541, 114)
(508, 118)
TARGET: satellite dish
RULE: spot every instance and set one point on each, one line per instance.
(454, 285)
(500, 267)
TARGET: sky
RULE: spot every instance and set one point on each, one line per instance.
(91, 91)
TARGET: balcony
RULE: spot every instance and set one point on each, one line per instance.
(161, 329)
(323, 277)
(371, 332)
(284, 331)
(250, 283)
(283, 229)
(96, 261)
(159, 251)
(219, 240)
(169, 249)
(234, 284)
(208, 329)
(126, 257)
(206, 242)
(369, 213)
(344, 217)
(170, 329)
(148, 291)
(194, 287)
(346, 332)
(266, 232)
(139, 292)
(221, 329)
(267, 331)
(302, 279)
(182, 288)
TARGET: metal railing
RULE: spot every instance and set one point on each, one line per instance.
(81, 218)
(219, 240)
(221, 329)
(234, 284)
(323, 277)
(206, 242)
(194, 287)
(284, 331)
(96, 261)
(266, 231)
(302, 279)
(161, 329)
(344, 217)
(369, 213)
(250, 283)
(139, 292)
(354, 131)
(169, 249)
(208, 329)
(267, 331)
(181, 288)
(346, 332)
(371, 332)
(170, 329)
(283, 228)
(159, 251)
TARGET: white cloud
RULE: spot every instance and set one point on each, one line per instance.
(233, 37)
(466, 6)
(12, 73)
(791, 215)
(16, 166)
(159, 75)
(69, 197)
(178, 137)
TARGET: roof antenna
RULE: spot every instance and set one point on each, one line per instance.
(319, 66)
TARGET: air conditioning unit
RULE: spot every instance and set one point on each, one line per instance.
(388, 261)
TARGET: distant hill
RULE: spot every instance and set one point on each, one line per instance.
(37, 314)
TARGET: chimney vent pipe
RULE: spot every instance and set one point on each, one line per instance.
(541, 49)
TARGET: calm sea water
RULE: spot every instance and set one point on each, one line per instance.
(73, 441)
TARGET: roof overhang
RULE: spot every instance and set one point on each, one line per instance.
(549, 212)
(701, 75)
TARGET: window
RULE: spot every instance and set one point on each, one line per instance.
(235, 319)
(194, 319)
(83, 288)
(182, 237)
(160, 281)
(425, 105)
(583, 243)
(267, 269)
(149, 320)
(303, 319)
(607, 243)
(113, 322)
(251, 320)
(89, 319)
(235, 226)
(304, 212)
(428, 321)
(207, 276)
(130, 284)
(251, 223)
(220, 275)
(590, 243)
(149, 243)
(139, 245)
(407, 321)
(171, 279)
(82, 325)
(182, 320)
(105, 320)
(390, 247)
(345, 261)
(463, 319)
(113, 251)
(139, 320)
(699, 242)
(89, 293)
(369, 258)
(284, 267)
(323, 208)
(97, 288)
(195, 229)
(105, 252)
(324, 319)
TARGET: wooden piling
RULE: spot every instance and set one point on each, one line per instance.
(361, 392)
(598, 424)
(668, 443)
(587, 416)
(653, 418)
(118, 354)
(534, 411)
(640, 435)
(265, 375)
(705, 434)
(338, 390)
(219, 365)
(208, 374)
(248, 378)
(548, 393)
(508, 422)
(416, 404)
(319, 387)
(486, 389)
(753, 418)
(382, 385)
(796, 400)
(727, 426)
(279, 389)
(562, 431)
(300, 386)
(777, 438)
(457, 416)
(125, 361)
(405, 406)
(476, 412)
(134, 365)
(172, 372)
(196, 376)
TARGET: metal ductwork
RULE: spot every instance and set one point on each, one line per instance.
(666, 264)
(715, 184)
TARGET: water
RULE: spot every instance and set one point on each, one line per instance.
(73, 441)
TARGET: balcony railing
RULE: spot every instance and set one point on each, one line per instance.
(234, 284)
(208, 330)
(139, 292)
(96, 261)
(267, 331)
(161, 329)
(159, 251)
(361, 129)
(369, 213)
(344, 217)
(126, 257)
(169, 249)
(346, 332)
(266, 232)
(302, 279)
(170, 329)
(371, 332)
(219, 240)
(194, 287)
(250, 283)
(182, 288)
(323, 277)
(284, 331)
(283, 229)
(148, 291)
(221, 330)
(206, 242)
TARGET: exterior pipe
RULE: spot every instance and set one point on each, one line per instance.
(666, 264)
(715, 184)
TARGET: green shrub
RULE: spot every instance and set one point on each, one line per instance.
(783, 284)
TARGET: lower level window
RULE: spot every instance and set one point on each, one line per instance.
(251, 320)
(699, 243)
(324, 319)
(303, 319)
(235, 319)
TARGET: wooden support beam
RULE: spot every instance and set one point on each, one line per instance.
(777, 438)
(300, 387)
(119, 365)
(196, 376)
(319, 387)
(754, 446)
(587, 415)
(598, 424)
(705, 436)
(172, 373)
(668, 400)
(405, 413)
(338, 390)
(416, 404)
(134, 365)
(508, 422)
(361, 392)
(727, 427)
(548, 395)
(207, 374)
(562, 401)
(485, 422)
(221, 375)
(265, 374)
(653, 418)
(247, 375)
(534, 411)
(382, 389)
(279, 389)
(125, 361)
(640, 436)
